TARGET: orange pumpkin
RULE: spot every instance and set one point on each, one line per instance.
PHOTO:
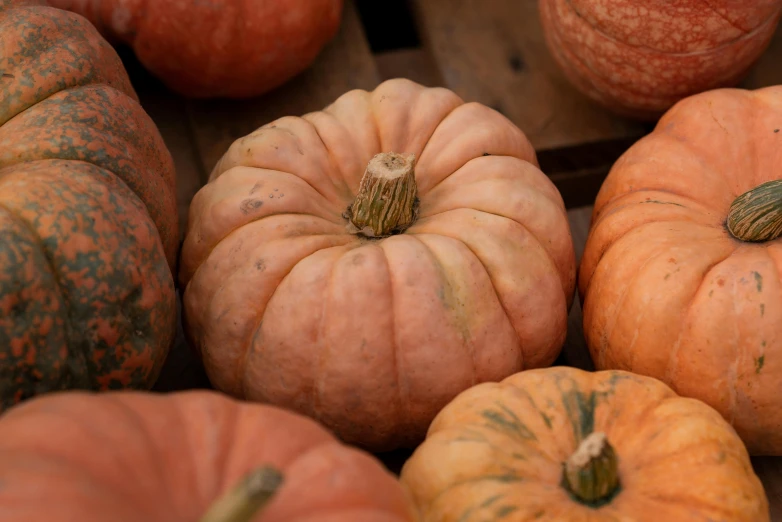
(639, 57)
(366, 263)
(217, 48)
(140, 457)
(680, 277)
(565, 445)
(88, 219)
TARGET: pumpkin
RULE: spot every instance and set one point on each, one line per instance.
(680, 277)
(561, 444)
(364, 264)
(88, 220)
(130, 456)
(639, 57)
(217, 48)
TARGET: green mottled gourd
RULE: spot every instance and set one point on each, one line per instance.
(88, 221)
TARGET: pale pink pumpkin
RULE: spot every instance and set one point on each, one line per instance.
(639, 57)
(288, 305)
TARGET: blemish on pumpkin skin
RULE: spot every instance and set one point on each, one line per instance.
(505, 511)
(758, 280)
(249, 205)
(759, 362)
(255, 188)
(663, 202)
(491, 500)
(762, 309)
(720, 282)
(260, 265)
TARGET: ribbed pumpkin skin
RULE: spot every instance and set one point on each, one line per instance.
(667, 290)
(639, 57)
(217, 48)
(141, 457)
(496, 452)
(87, 297)
(373, 337)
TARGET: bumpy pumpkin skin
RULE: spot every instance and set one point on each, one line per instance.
(217, 48)
(88, 222)
(140, 457)
(667, 290)
(496, 453)
(373, 337)
(639, 57)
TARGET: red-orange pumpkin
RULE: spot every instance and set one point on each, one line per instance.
(141, 457)
(88, 220)
(640, 57)
(680, 277)
(217, 48)
(468, 278)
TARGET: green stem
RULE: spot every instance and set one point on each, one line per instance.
(591, 474)
(756, 215)
(246, 500)
(387, 200)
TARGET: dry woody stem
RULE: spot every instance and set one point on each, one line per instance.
(244, 502)
(591, 474)
(387, 199)
(756, 215)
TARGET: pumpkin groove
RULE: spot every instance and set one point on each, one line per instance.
(88, 222)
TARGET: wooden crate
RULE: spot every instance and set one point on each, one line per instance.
(491, 52)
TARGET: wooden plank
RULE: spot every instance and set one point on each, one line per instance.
(495, 53)
(345, 64)
(414, 64)
(768, 69)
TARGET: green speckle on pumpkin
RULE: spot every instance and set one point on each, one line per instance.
(491, 500)
(759, 363)
(505, 421)
(504, 511)
(758, 280)
(539, 514)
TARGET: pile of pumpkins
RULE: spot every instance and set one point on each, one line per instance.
(394, 271)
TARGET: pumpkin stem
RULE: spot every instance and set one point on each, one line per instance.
(756, 215)
(387, 200)
(247, 499)
(591, 474)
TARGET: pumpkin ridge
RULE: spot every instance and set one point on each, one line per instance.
(540, 243)
(537, 240)
(211, 250)
(464, 329)
(66, 313)
(334, 165)
(744, 34)
(672, 364)
(401, 396)
(611, 244)
(662, 250)
(326, 348)
(494, 289)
